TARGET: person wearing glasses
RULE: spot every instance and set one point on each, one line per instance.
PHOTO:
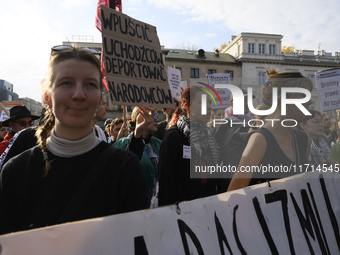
(71, 174)
(330, 137)
(144, 121)
(20, 118)
(313, 126)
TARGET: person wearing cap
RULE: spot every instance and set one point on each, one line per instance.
(330, 137)
(20, 118)
(238, 118)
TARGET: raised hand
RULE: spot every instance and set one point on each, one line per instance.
(145, 117)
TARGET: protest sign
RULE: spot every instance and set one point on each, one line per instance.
(329, 90)
(134, 64)
(7, 105)
(10, 104)
(224, 94)
(296, 215)
(3, 115)
(174, 79)
(4, 112)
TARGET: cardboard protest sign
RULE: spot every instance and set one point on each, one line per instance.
(10, 104)
(4, 112)
(174, 79)
(329, 90)
(224, 94)
(3, 115)
(134, 64)
(297, 215)
(5, 106)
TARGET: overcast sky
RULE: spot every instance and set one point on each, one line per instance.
(28, 29)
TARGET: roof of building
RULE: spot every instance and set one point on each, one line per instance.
(199, 55)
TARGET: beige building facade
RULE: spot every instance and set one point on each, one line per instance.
(196, 65)
(257, 51)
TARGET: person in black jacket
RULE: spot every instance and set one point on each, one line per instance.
(65, 177)
(187, 144)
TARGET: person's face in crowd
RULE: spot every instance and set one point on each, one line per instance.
(152, 127)
(75, 95)
(195, 108)
(3, 132)
(218, 114)
(328, 122)
(115, 129)
(169, 111)
(103, 108)
(313, 127)
(21, 124)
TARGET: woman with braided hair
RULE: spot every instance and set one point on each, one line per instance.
(71, 174)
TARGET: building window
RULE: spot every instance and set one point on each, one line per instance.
(261, 77)
(261, 48)
(251, 47)
(238, 50)
(10, 98)
(194, 73)
(272, 49)
(211, 71)
(231, 74)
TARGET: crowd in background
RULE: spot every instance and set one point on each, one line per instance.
(67, 168)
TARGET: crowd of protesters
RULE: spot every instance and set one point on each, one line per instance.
(68, 169)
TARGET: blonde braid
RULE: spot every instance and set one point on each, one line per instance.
(43, 132)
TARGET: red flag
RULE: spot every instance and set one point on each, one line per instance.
(118, 5)
(97, 21)
(103, 72)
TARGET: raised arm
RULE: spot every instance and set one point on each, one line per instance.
(252, 156)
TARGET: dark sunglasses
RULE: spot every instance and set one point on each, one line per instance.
(68, 47)
(23, 123)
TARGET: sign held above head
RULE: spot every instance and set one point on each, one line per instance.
(134, 65)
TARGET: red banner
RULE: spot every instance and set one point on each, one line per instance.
(97, 21)
(118, 5)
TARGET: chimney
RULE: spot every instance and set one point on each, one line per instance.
(201, 53)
